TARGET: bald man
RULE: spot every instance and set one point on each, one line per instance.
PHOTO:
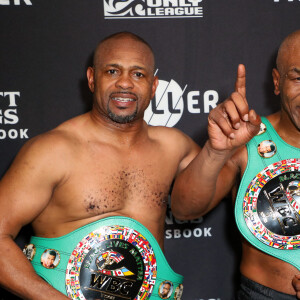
(266, 205)
(95, 190)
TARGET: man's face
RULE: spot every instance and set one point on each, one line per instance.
(49, 260)
(287, 83)
(122, 79)
(165, 289)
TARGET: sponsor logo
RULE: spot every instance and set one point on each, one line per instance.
(170, 101)
(136, 9)
(9, 116)
(15, 2)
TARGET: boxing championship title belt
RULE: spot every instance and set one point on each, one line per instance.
(114, 258)
(267, 208)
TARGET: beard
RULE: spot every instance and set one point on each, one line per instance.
(121, 119)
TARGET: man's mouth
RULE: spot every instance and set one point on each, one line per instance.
(122, 99)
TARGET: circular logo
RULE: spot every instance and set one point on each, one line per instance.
(112, 262)
(50, 258)
(271, 205)
(166, 108)
(266, 149)
(165, 289)
(29, 250)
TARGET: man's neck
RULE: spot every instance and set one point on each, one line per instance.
(285, 128)
(125, 135)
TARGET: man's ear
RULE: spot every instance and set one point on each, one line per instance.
(154, 86)
(90, 74)
(276, 81)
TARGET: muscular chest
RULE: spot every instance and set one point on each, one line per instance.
(114, 183)
(124, 187)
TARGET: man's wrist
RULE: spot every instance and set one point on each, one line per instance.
(217, 154)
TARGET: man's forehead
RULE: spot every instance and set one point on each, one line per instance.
(133, 54)
(124, 43)
(289, 54)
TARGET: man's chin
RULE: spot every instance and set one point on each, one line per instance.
(121, 119)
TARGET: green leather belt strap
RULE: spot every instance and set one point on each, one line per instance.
(65, 245)
(260, 171)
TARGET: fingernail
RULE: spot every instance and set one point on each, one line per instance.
(246, 117)
(237, 125)
(231, 135)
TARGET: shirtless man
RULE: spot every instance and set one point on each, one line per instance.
(102, 164)
(266, 210)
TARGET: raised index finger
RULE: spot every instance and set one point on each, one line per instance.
(240, 84)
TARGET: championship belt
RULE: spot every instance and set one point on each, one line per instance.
(113, 258)
(267, 210)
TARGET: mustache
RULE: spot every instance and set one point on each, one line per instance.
(122, 92)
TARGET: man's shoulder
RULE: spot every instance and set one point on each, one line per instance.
(62, 139)
(173, 138)
(166, 133)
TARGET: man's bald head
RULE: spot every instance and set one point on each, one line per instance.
(289, 45)
(117, 37)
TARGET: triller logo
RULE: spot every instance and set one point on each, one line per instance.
(135, 9)
(167, 106)
(14, 2)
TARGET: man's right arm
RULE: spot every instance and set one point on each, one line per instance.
(212, 173)
(25, 191)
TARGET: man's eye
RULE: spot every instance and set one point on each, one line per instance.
(112, 71)
(138, 74)
(293, 77)
(296, 79)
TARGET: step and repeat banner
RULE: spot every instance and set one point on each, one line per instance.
(46, 46)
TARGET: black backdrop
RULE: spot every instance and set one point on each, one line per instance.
(47, 45)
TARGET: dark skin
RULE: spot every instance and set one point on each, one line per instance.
(92, 167)
(227, 126)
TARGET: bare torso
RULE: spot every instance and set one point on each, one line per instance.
(103, 178)
(267, 270)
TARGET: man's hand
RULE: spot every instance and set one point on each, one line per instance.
(296, 285)
(231, 124)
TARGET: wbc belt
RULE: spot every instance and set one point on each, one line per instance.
(113, 258)
(267, 208)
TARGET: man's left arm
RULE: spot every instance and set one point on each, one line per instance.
(296, 285)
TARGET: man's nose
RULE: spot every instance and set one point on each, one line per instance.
(125, 81)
